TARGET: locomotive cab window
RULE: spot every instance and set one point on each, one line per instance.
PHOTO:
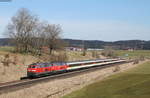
(32, 66)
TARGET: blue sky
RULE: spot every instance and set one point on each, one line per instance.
(107, 20)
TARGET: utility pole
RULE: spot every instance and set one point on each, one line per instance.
(84, 48)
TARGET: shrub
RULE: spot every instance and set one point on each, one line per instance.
(109, 53)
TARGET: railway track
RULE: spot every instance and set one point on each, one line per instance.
(25, 83)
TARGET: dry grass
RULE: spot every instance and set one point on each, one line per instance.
(75, 55)
(17, 63)
(16, 68)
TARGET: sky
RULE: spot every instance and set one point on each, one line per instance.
(107, 20)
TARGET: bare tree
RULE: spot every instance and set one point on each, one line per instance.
(39, 39)
(31, 35)
(52, 37)
(22, 28)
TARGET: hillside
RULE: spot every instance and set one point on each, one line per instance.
(126, 44)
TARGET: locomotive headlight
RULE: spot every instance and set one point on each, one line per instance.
(33, 70)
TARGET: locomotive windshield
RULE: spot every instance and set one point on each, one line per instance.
(32, 66)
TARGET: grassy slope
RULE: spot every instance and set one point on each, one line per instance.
(15, 71)
(134, 83)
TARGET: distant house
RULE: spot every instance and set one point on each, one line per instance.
(74, 48)
(130, 49)
(94, 49)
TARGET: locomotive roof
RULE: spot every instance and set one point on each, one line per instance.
(41, 63)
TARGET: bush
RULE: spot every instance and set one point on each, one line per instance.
(109, 53)
(142, 58)
(136, 61)
(84, 52)
(117, 68)
(95, 54)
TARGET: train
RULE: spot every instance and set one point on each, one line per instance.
(42, 69)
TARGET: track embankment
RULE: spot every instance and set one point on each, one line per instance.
(60, 86)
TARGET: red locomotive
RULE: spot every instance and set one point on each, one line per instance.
(39, 69)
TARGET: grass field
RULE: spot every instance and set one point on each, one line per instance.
(121, 53)
(134, 83)
(133, 54)
(6, 49)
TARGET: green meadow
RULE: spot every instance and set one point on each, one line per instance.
(133, 54)
(134, 83)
